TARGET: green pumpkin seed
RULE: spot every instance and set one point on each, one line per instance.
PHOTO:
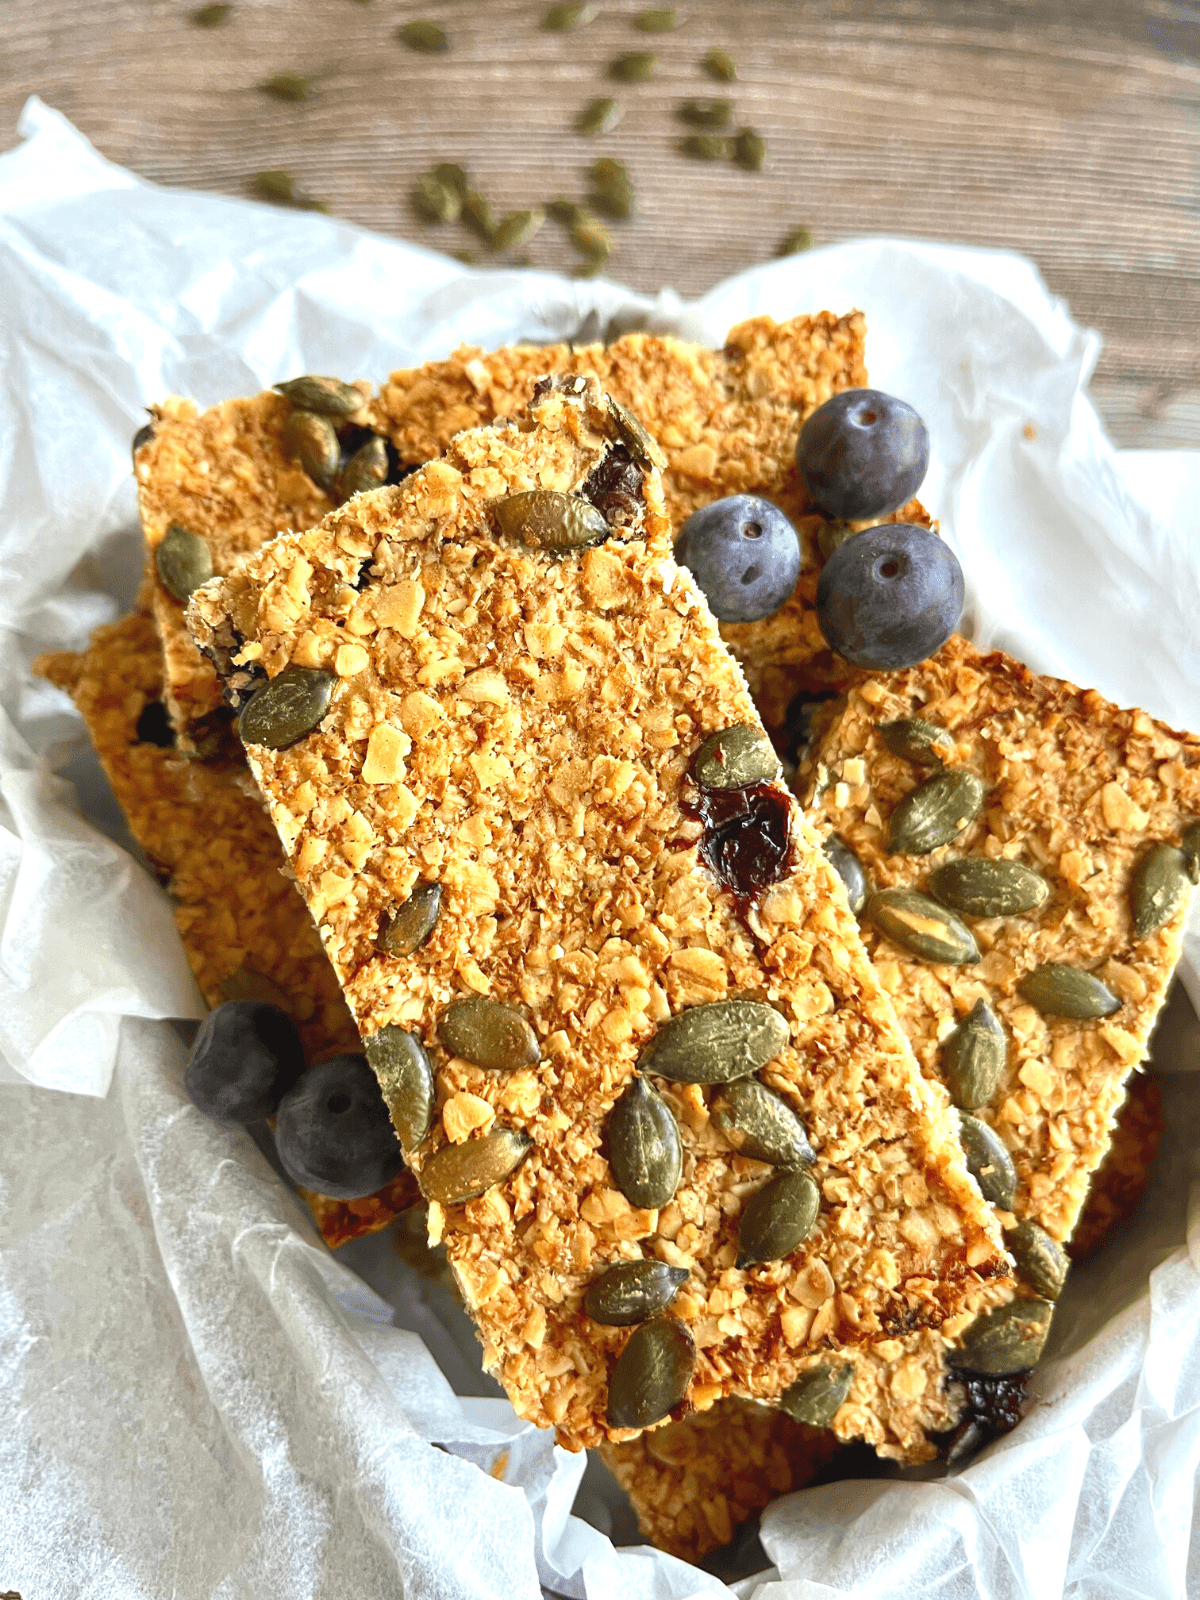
(488, 1034)
(452, 176)
(935, 813)
(1007, 1339)
(716, 1043)
(568, 212)
(761, 1124)
(818, 1395)
(795, 242)
(974, 1057)
(424, 35)
(311, 440)
(571, 14)
(735, 757)
(244, 983)
(633, 1291)
(1190, 845)
(401, 1063)
(183, 561)
(210, 16)
(593, 240)
(1041, 1260)
(461, 1172)
(1061, 991)
(1161, 885)
(832, 535)
(988, 1162)
(645, 1151)
(712, 114)
(287, 86)
(660, 20)
(632, 434)
(329, 397)
(477, 213)
(550, 520)
(637, 66)
(517, 228)
(613, 188)
(719, 64)
(750, 150)
(410, 924)
(922, 927)
(599, 116)
(366, 469)
(436, 202)
(922, 743)
(849, 869)
(278, 185)
(652, 1374)
(981, 888)
(778, 1218)
(706, 147)
(286, 708)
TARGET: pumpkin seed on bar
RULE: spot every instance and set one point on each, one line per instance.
(978, 887)
(183, 561)
(517, 228)
(436, 201)
(849, 869)
(366, 469)
(488, 1034)
(550, 520)
(1161, 884)
(1190, 845)
(719, 64)
(716, 1043)
(637, 66)
(330, 397)
(408, 927)
(424, 35)
(712, 114)
(750, 150)
(401, 1063)
(210, 16)
(287, 86)
(1007, 1339)
(818, 1395)
(662, 19)
(1058, 990)
(633, 435)
(286, 708)
(794, 243)
(570, 14)
(1040, 1260)
(974, 1057)
(459, 1172)
(988, 1162)
(652, 1374)
(935, 813)
(922, 927)
(310, 440)
(599, 116)
(735, 757)
(913, 739)
(706, 147)
(645, 1150)
(780, 1216)
(633, 1291)
(760, 1123)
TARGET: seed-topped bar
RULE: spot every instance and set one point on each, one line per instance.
(518, 719)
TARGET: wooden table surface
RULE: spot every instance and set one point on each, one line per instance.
(1066, 129)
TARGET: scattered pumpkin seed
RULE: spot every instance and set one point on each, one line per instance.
(517, 228)
(487, 1034)
(849, 869)
(436, 201)
(660, 20)
(401, 1063)
(706, 147)
(1058, 990)
(592, 239)
(795, 242)
(570, 14)
(750, 150)
(477, 213)
(1007, 1339)
(244, 983)
(459, 1172)
(780, 1216)
(974, 1057)
(1040, 1260)
(719, 64)
(988, 1162)
(287, 86)
(424, 35)
(652, 1374)
(210, 16)
(735, 757)
(281, 186)
(633, 435)
(922, 927)
(184, 562)
(636, 66)
(613, 190)
(550, 520)
(330, 397)
(913, 739)
(977, 887)
(935, 813)
(760, 1123)
(408, 927)
(716, 1043)
(286, 708)
(633, 1291)
(310, 439)
(452, 176)
(645, 1151)
(1161, 884)
(469, 258)
(711, 114)
(1190, 845)
(818, 1395)
(599, 116)
(568, 212)
(366, 469)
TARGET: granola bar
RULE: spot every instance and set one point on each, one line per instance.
(1120, 1181)
(519, 727)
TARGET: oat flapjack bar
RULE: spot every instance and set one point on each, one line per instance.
(522, 727)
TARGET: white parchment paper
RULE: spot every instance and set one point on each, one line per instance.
(197, 1398)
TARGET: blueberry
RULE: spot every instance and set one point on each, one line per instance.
(744, 554)
(246, 1056)
(334, 1134)
(862, 454)
(890, 596)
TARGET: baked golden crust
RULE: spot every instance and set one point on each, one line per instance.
(1120, 1180)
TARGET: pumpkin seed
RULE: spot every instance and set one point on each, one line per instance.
(459, 1172)
(652, 1374)
(922, 927)
(849, 869)
(210, 16)
(452, 176)
(637, 66)
(329, 397)
(719, 64)
(184, 562)
(1161, 884)
(244, 983)
(706, 147)
(780, 1216)
(411, 923)
(633, 435)
(750, 150)
(287, 86)
(818, 1395)
(277, 184)
(1007, 1339)
(599, 116)
(988, 1162)
(477, 213)
(922, 743)
(424, 35)
(366, 469)
(517, 228)
(1190, 845)
(401, 1063)
(712, 114)
(798, 240)
(735, 757)
(311, 440)
(143, 436)
(645, 1151)
(974, 1057)
(832, 535)
(660, 20)
(562, 18)
(1040, 1260)
(1058, 990)
(633, 1291)
(716, 1043)
(435, 201)
(613, 188)
(287, 708)
(550, 520)
(761, 1124)
(488, 1034)
(568, 212)
(981, 888)
(593, 240)
(935, 813)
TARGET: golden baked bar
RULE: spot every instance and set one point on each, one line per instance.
(517, 727)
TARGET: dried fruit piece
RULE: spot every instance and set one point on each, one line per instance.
(818, 1395)
(488, 1034)
(633, 1291)
(652, 1374)
(935, 813)
(778, 1218)
(716, 1043)
(459, 1172)
(183, 561)
(974, 1057)
(401, 1064)
(644, 1148)
(922, 927)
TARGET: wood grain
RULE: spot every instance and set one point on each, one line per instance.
(1067, 130)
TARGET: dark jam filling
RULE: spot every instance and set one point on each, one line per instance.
(993, 1407)
(615, 488)
(746, 843)
(154, 726)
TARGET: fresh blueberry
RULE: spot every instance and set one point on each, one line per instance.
(245, 1058)
(744, 554)
(863, 454)
(333, 1132)
(890, 596)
